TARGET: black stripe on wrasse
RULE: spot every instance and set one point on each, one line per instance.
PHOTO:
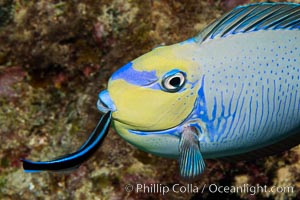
(75, 159)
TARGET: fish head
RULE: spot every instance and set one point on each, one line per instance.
(153, 93)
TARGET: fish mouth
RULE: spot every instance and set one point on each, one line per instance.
(143, 131)
(102, 106)
(105, 103)
(174, 131)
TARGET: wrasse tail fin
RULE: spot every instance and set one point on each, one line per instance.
(191, 163)
(73, 160)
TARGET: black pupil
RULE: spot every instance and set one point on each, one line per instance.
(175, 82)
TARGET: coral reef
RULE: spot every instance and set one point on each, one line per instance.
(55, 56)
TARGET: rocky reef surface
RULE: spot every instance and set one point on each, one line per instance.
(55, 56)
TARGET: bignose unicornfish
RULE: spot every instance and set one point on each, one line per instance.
(231, 90)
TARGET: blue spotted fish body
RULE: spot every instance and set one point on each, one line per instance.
(249, 93)
(231, 90)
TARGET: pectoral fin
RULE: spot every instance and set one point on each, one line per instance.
(191, 163)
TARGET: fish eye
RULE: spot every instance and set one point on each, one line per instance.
(174, 80)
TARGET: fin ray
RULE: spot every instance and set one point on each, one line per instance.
(191, 163)
(253, 17)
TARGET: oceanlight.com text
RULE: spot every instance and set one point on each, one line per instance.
(211, 188)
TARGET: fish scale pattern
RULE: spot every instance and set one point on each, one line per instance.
(250, 88)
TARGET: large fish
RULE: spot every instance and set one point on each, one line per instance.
(231, 90)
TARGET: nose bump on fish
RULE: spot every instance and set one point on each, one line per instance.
(105, 103)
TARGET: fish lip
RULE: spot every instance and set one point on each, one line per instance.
(105, 103)
(103, 107)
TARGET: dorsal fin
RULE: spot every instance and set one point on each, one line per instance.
(253, 17)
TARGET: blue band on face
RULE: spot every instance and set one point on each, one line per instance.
(130, 75)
